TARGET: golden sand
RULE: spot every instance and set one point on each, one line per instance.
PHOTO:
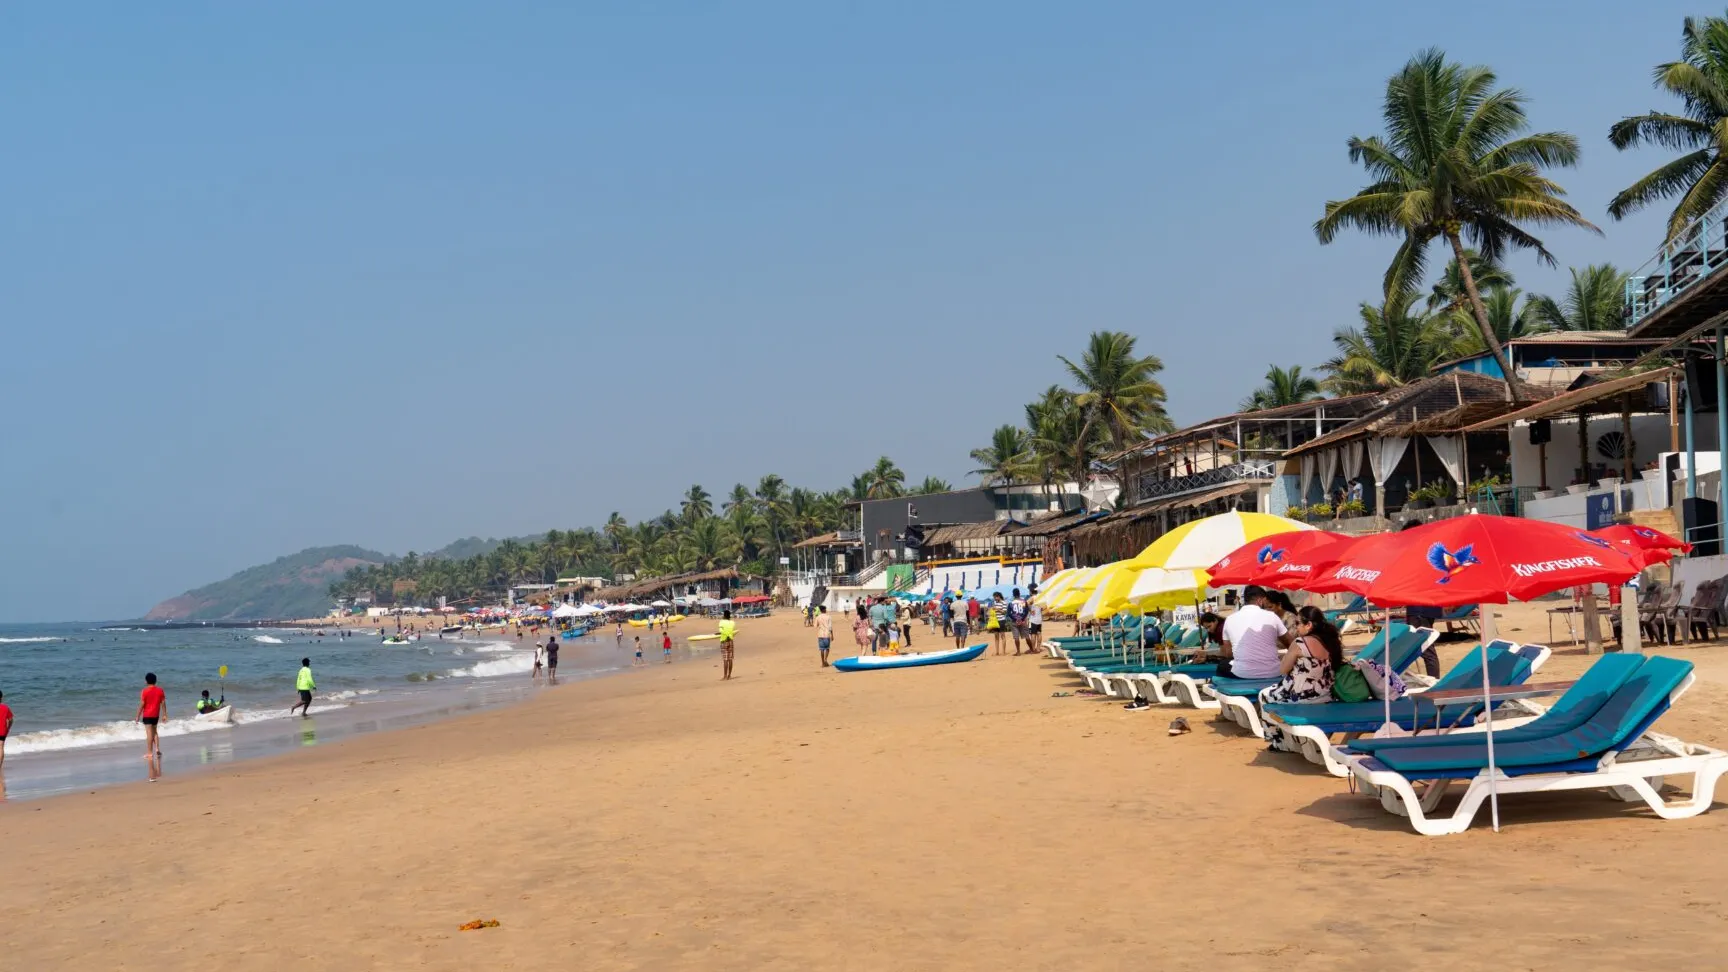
(957, 817)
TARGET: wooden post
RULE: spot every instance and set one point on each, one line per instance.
(1673, 415)
(1626, 439)
(1583, 447)
(1592, 627)
(1631, 638)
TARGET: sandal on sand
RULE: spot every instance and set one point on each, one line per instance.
(1060, 695)
(1178, 726)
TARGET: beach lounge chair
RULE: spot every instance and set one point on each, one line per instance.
(1595, 737)
(1185, 689)
(1239, 698)
(1311, 726)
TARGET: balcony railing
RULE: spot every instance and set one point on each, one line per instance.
(1150, 486)
(1697, 252)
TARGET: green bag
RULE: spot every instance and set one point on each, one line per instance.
(1348, 685)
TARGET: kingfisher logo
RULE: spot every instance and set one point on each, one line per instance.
(1551, 566)
(1294, 568)
(1269, 555)
(1594, 540)
(1645, 533)
(1362, 574)
(1451, 563)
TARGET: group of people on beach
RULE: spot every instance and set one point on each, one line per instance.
(885, 624)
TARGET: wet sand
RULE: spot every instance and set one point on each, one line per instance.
(955, 817)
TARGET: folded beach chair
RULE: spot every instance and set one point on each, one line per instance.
(1596, 736)
(1239, 698)
(1311, 726)
(1186, 689)
(1356, 606)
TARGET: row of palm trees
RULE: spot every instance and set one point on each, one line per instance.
(750, 529)
(1458, 165)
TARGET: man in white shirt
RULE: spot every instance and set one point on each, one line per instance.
(1252, 637)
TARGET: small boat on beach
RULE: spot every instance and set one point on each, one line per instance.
(451, 629)
(224, 715)
(870, 663)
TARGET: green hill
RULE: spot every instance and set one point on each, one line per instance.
(295, 586)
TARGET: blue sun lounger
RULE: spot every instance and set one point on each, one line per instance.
(1595, 737)
(1311, 726)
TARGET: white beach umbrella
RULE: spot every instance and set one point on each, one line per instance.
(565, 611)
(587, 610)
(660, 604)
(1074, 575)
(1202, 543)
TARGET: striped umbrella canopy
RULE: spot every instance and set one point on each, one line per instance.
(1080, 592)
(1201, 543)
(1050, 593)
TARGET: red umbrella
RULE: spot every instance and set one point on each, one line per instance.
(1642, 544)
(1283, 560)
(1476, 559)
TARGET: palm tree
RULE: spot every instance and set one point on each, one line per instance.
(707, 544)
(740, 496)
(931, 484)
(1592, 303)
(860, 488)
(886, 480)
(1284, 386)
(1118, 392)
(1004, 460)
(1454, 164)
(1394, 346)
(1056, 424)
(1700, 177)
(696, 505)
(1448, 293)
(1509, 319)
(615, 528)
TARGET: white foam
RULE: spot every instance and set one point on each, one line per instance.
(24, 641)
(102, 734)
(515, 664)
(348, 695)
(266, 639)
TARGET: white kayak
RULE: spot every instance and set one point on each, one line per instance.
(222, 715)
(394, 641)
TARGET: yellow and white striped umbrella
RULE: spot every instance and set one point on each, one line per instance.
(1080, 592)
(1201, 543)
(1054, 583)
(1158, 587)
(1050, 595)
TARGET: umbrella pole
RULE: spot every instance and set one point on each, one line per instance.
(1488, 729)
(1386, 665)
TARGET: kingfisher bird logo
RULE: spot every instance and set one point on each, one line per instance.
(1269, 555)
(1451, 563)
(1594, 540)
(1644, 533)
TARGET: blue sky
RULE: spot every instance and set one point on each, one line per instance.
(304, 274)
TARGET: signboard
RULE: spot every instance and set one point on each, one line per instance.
(1598, 510)
(784, 561)
(1187, 614)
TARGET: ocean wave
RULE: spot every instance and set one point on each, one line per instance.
(122, 629)
(515, 664)
(23, 641)
(102, 734)
(494, 646)
(347, 695)
(266, 639)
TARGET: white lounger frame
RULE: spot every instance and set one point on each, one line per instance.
(1632, 774)
(1317, 747)
(1245, 710)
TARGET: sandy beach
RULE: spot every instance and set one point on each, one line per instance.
(949, 818)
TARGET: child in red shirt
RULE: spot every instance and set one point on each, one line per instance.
(152, 708)
(5, 725)
(666, 647)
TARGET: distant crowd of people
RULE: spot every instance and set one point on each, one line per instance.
(885, 624)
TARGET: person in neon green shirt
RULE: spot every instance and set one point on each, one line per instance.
(303, 682)
(728, 631)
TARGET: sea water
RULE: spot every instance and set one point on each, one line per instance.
(73, 689)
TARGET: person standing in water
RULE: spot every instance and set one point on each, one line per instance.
(304, 684)
(552, 660)
(152, 710)
(5, 726)
(728, 631)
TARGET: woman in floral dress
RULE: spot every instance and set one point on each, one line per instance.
(1309, 666)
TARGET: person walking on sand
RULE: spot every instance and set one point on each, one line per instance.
(861, 634)
(824, 633)
(666, 646)
(304, 684)
(552, 660)
(152, 709)
(1019, 623)
(728, 631)
(5, 726)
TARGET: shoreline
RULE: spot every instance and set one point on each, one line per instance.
(952, 817)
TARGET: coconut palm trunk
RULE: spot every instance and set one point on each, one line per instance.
(1480, 312)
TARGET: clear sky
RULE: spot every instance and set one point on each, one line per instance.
(392, 273)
